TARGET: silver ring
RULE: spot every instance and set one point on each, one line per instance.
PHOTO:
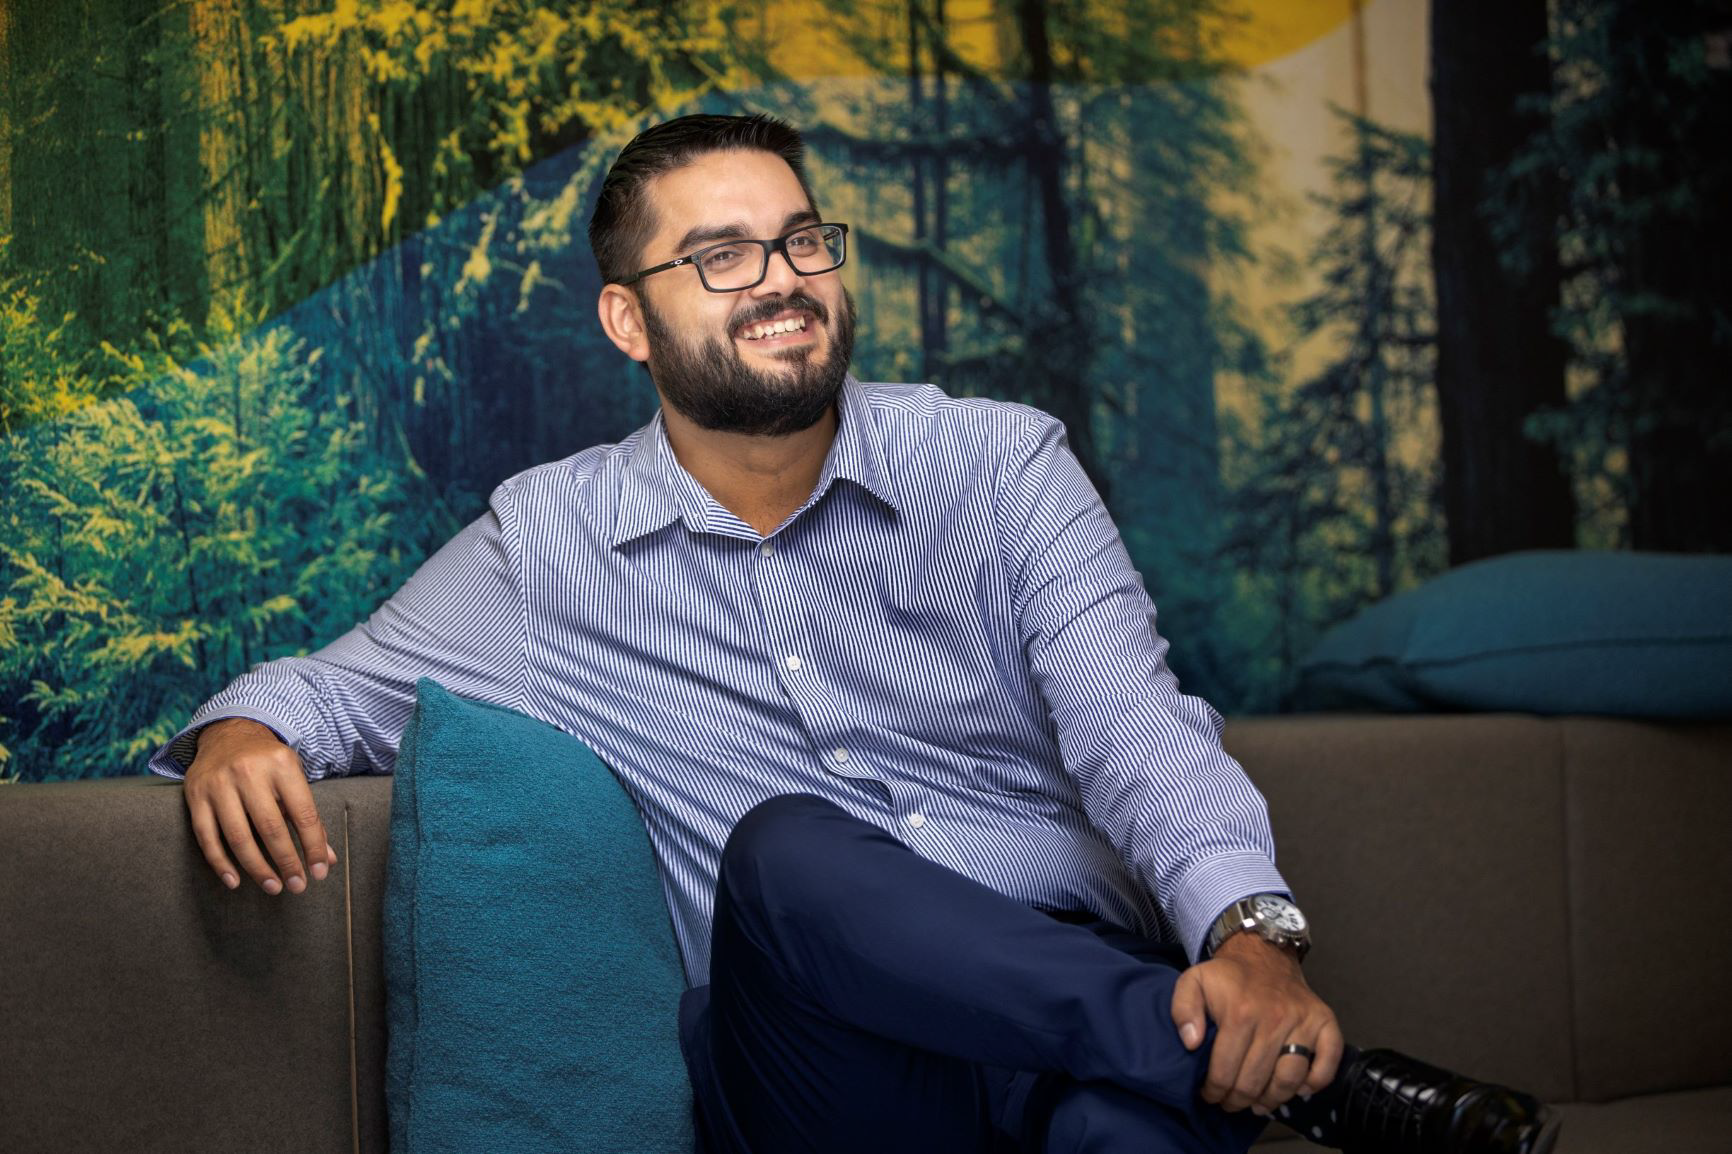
(1305, 1052)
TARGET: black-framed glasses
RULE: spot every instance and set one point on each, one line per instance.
(736, 265)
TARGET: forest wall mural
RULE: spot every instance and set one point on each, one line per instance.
(1331, 295)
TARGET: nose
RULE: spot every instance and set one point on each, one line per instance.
(780, 276)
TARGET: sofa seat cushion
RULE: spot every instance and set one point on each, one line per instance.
(532, 980)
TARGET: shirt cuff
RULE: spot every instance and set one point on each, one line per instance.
(1213, 884)
(176, 755)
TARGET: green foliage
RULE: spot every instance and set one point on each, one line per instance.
(167, 526)
(157, 544)
(459, 95)
(528, 76)
(46, 364)
(1335, 500)
(257, 153)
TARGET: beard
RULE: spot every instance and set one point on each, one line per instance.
(711, 385)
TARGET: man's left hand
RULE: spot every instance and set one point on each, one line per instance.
(1254, 993)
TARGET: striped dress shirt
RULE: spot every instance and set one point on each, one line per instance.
(948, 640)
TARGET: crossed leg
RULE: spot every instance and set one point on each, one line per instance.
(865, 999)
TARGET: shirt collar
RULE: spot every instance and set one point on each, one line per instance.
(858, 452)
(657, 490)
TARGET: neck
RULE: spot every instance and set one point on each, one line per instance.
(760, 480)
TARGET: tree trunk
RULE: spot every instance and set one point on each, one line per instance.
(917, 187)
(938, 300)
(217, 34)
(8, 119)
(1060, 364)
(1497, 358)
(1378, 300)
(1679, 355)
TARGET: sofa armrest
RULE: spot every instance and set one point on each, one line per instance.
(147, 1007)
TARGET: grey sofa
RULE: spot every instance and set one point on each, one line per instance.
(1543, 902)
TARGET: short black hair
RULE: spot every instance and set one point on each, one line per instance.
(622, 223)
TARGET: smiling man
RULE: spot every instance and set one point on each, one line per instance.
(952, 862)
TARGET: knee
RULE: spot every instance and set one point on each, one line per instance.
(778, 839)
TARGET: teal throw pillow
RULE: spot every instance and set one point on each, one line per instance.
(1618, 634)
(532, 981)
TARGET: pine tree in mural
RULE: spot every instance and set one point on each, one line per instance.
(1047, 232)
(1336, 491)
(974, 240)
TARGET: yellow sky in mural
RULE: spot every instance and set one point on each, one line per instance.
(1275, 28)
(806, 44)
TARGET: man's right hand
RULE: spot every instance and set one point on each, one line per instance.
(245, 787)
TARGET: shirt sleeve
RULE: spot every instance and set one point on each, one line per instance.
(460, 620)
(1147, 759)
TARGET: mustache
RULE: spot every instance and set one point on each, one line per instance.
(764, 311)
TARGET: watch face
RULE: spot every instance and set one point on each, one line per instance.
(1278, 912)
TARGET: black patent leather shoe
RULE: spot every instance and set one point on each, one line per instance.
(1393, 1104)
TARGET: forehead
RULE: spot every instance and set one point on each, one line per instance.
(753, 189)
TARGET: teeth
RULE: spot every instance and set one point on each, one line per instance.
(759, 332)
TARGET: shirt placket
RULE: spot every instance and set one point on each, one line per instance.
(834, 734)
(803, 680)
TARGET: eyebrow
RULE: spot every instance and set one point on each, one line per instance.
(709, 233)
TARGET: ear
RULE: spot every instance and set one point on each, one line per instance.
(622, 321)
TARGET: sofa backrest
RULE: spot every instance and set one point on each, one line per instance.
(1523, 900)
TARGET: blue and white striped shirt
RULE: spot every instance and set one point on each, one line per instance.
(947, 640)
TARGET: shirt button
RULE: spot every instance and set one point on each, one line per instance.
(793, 664)
(766, 548)
(915, 820)
(840, 755)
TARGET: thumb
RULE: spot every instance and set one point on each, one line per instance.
(1188, 1009)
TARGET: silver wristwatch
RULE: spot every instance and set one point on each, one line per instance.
(1268, 916)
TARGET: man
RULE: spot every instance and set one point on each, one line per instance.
(938, 831)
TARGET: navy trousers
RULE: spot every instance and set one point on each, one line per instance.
(864, 999)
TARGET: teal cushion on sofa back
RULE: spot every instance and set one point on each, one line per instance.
(1621, 634)
(532, 981)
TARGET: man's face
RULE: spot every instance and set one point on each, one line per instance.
(709, 354)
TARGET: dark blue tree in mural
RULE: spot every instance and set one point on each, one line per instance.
(1335, 502)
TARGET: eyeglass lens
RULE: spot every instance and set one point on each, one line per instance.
(741, 264)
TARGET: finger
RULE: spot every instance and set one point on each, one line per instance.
(238, 832)
(1255, 1069)
(210, 842)
(1188, 1010)
(273, 830)
(1329, 1046)
(1289, 1074)
(296, 797)
(1227, 1056)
